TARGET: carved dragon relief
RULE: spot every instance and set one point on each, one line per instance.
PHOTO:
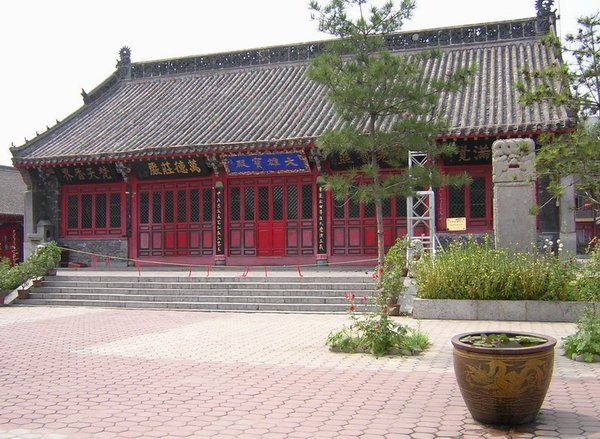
(513, 161)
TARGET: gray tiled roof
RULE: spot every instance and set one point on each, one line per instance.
(262, 98)
(12, 191)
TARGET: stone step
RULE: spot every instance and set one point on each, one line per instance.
(355, 279)
(105, 297)
(195, 306)
(174, 290)
(225, 291)
(80, 283)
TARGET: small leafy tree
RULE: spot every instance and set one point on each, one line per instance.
(388, 104)
(574, 83)
(585, 343)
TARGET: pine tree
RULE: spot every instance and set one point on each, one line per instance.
(389, 106)
(574, 83)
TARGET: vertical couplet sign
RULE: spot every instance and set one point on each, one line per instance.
(219, 232)
(321, 224)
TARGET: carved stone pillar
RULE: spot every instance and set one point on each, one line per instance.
(568, 235)
(513, 167)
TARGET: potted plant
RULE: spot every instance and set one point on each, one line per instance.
(503, 376)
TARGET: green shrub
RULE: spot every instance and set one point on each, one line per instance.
(394, 270)
(587, 284)
(4, 267)
(472, 270)
(34, 266)
(586, 341)
(376, 333)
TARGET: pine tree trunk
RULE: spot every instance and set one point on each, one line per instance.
(378, 204)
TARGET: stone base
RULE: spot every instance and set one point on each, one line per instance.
(322, 260)
(502, 310)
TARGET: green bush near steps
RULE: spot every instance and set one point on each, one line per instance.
(476, 271)
(36, 265)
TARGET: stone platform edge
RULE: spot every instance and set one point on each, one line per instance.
(501, 310)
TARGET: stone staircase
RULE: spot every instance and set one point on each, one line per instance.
(314, 292)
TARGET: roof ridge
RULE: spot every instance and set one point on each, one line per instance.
(455, 36)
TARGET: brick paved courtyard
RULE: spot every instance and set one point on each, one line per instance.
(99, 373)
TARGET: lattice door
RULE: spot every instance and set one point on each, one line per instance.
(270, 217)
(354, 226)
(175, 219)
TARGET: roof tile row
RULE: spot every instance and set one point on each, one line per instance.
(220, 110)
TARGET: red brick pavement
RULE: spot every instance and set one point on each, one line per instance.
(77, 373)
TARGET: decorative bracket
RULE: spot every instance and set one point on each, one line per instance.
(316, 156)
(124, 170)
(215, 163)
(45, 175)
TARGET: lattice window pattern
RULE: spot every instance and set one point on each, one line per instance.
(194, 205)
(477, 205)
(234, 204)
(86, 211)
(369, 210)
(307, 202)
(181, 206)
(386, 207)
(263, 203)
(353, 208)
(456, 202)
(73, 212)
(144, 207)
(207, 206)
(156, 207)
(115, 210)
(249, 204)
(338, 208)
(277, 203)
(292, 202)
(100, 211)
(92, 210)
(169, 213)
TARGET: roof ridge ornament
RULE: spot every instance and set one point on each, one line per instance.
(124, 56)
(124, 63)
(546, 16)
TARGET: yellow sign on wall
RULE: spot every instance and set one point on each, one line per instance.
(456, 224)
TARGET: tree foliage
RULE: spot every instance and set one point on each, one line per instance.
(574, 83)
(388, 104)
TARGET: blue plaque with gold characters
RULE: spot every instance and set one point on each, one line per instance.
(267, 163)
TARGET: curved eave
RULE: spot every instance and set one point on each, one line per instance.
(259, 146)
(174, 151)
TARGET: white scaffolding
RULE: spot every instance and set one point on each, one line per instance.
(420, 209)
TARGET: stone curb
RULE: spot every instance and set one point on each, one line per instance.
(501, 310)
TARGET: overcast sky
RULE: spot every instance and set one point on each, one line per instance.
(51, 49)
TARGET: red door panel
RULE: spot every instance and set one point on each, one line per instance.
(175, 218)
(273, 214)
